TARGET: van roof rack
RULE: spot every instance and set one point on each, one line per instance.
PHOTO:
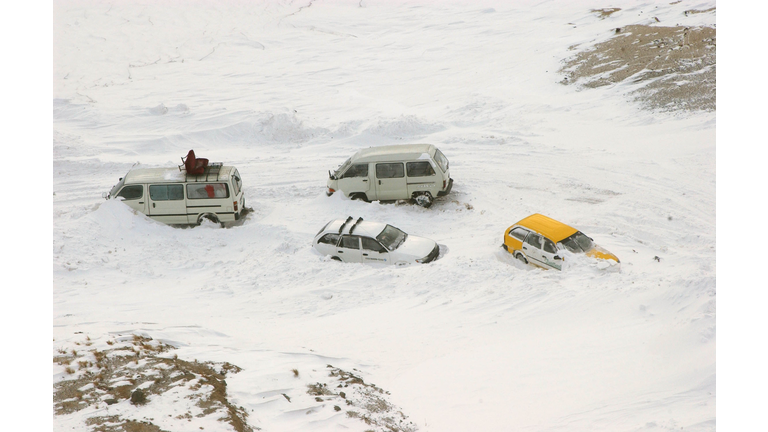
(211, 173)
(355, 225)
(341, 228)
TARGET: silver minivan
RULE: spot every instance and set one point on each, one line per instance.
(172, 196)
(410, 171)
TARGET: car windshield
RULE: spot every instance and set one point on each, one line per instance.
(342, 168)
(391, 237)
(578, 243)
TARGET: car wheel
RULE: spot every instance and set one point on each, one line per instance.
(335, 258)
(359, 197)
(506, 248)
(424, 199)
(523, 259)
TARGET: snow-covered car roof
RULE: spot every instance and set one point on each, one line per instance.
(364, 228)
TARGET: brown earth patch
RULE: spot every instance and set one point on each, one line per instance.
(138, 374)
(675, 67)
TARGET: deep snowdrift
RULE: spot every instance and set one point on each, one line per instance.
(473, 341)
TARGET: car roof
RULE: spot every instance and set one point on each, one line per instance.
(392, 152)
(548, 227)
(169, 175)
(364, 228)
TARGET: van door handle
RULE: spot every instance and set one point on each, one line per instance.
(153, 205)
(379, 181)
(141, 202)
(365, 254)
(365, 180)
(341, 251)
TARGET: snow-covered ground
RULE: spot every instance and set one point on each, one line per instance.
(286, 91)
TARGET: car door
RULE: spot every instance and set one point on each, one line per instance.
(549, 254)
(133, 197)
(349, 249)
(326, 244)
(532, 248)
(355, 180)
(166, 203)
(373, 251)
(390, 181)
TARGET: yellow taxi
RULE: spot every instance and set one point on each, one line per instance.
(540, 240)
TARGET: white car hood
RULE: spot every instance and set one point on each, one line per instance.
(414, 247)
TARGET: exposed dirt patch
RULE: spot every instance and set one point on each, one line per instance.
(675, 66)
(134, 372)
(362, 401)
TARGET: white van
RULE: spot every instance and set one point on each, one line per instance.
(411, 171)
(172, 196)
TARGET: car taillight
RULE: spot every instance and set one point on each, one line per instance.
(234, 203)
(443, 184)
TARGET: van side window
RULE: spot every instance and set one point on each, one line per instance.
(207, 190)
(419, 169)
(357, 170)
(519, 233)
(132, 192)
(390, 170)
(372, 245)
(330, 239)
(350, 242)
(166, 192)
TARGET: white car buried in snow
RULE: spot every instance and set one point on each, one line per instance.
(372, 242)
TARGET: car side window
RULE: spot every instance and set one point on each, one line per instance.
(390, 170)
(519, 233)
(534, 240)
(350, 242)
(549, 246)
(330, 239)
(357, 170)
(166, 192)
(372, 245)
(132, 192)
(419, 169)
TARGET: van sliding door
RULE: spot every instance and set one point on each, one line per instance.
(166, 203)
(390, 181)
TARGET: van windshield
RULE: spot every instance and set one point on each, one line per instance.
(441, 160)
(391, 237)
(342, 168)
(116, 188)
(578, 243)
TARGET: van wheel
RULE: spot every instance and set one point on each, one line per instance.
(359, 197)
(424, 199)
(335, 258)
(211, 218)
(521, 258)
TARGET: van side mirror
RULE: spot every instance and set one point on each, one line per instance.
(557, 258)
(331, 175)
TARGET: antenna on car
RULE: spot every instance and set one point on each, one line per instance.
(353, 226)
(341, 228)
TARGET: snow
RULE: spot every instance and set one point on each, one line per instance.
(473, 341)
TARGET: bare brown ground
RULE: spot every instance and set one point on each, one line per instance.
(675, 67)
(121, 364)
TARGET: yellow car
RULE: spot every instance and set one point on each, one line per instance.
(539, 240)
